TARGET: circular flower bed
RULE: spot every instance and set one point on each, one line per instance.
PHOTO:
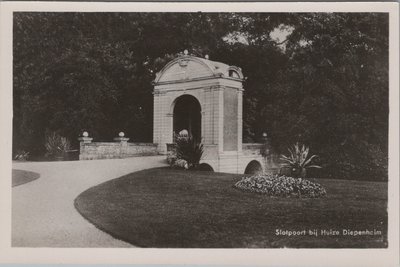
(281, 186)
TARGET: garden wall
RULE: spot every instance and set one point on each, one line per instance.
(115, 150)
(237, 162)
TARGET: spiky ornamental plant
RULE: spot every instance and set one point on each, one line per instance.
(298, 160)
(56, 145)
(188, 149)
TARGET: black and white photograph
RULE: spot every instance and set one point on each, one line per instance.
(203, 128)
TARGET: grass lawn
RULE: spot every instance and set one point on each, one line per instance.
(20, 177)
(191, 209)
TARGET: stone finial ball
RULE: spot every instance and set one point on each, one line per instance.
(85, 134)
(121, 134)
(186, 52)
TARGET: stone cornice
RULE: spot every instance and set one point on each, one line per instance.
(198, 79)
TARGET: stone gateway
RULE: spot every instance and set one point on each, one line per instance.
(205, 98)
(201, 98)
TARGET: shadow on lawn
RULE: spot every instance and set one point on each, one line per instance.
(20, 177)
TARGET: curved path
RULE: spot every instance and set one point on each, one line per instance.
(43, 212)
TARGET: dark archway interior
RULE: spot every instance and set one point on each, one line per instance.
(187, 116)
(254, 167)
(205, 167)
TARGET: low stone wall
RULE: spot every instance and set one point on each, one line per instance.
(237, 161)
(115, 150)
(271, 161)
(253, 149)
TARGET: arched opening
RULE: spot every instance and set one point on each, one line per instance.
(205, 167)
(233, 74)
(254, 167)
(187, 116)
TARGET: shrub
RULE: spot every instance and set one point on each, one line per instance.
(281, 186)
(189, 150)
(359, 161)
(171, 158)
(298, 160)
(21, 155)
(181, 164)
(176, 163)
(56, 145)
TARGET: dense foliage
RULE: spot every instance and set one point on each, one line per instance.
(324, 83)
(281, 186)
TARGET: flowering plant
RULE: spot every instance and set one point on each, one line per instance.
(281, 186)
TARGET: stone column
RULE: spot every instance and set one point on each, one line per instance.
(123, 148)
(219, 118)
(207, 118)
(83, 141)
(240, 120)
(157, 120)
(162, 121)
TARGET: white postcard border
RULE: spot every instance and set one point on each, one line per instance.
(273, 257)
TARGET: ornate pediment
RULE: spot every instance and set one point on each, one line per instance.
(187, 68)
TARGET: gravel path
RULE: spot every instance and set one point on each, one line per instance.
(43, 212)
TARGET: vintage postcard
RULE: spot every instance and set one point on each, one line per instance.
(200, 133)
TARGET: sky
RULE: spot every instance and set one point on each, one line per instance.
(278, 35)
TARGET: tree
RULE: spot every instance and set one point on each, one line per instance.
(335, 96)
(324, 84)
